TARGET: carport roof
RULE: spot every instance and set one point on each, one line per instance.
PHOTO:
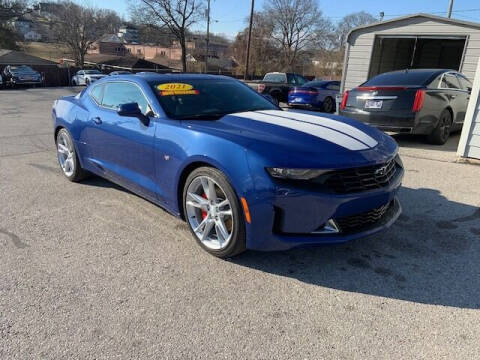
(418, 15)
(12, 57)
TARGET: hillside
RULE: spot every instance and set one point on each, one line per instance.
(49, 51)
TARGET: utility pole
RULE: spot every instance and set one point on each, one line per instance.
(450, 8)
(208, 36)
(249, 40)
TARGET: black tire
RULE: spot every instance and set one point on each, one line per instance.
(440, 134)
(328, 105)
(74, 82)
(78, 173)
(87, 82)
(236, 244)
(276, 98)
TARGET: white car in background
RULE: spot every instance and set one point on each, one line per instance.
(86, 77)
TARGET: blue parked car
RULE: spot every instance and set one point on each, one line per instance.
(315, 95)
(243, 173)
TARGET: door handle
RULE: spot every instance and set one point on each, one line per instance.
(97, 120)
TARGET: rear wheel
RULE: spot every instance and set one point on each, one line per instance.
(276, 98)
(213, 213)
(440, 134)
(328, 105)
(67, 157)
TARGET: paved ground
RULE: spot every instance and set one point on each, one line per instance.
(89, 271)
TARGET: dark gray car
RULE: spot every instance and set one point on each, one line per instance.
(432, 102)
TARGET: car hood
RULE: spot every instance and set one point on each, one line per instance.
(303, 139)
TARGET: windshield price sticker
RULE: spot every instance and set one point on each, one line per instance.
(170, 89)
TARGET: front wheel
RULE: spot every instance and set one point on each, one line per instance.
(440, 134)
(213, 213)
(67, 157)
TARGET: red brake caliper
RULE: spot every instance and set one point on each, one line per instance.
(204, 213)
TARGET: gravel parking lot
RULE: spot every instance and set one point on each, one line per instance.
(91, 271)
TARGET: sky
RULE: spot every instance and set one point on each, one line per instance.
(229, 16)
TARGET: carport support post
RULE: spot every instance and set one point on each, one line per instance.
(472, 113)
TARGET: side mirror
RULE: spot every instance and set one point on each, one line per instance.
(133, 110)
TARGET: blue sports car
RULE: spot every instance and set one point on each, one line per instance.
(315, 95)
(243, 173)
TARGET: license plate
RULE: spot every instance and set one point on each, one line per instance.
(373, 104)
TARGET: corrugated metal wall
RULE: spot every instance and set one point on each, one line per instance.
(469, 145)
(362, 41)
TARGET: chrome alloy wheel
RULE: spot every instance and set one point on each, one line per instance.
(65, 154)
(209, 213)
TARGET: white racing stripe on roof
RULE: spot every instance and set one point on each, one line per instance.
(330, 123)
(325, 133)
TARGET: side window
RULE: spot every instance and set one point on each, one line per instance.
(291, 79)
(333, 86)
(450, 81)
(119, 93)
(97, 93)
(80, 73)
(300, 79)
(464, 82)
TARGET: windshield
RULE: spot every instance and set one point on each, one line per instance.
(21, 68)
(92, 72)
(275, 78)
(207, 98)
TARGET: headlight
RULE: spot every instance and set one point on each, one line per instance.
(399, 161)
(295, 174)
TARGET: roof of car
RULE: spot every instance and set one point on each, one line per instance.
(420, 71)
(178, 77)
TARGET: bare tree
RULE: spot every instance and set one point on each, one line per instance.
(79, 27)
(177, 15)
(11, 10)
(296, 25)
(264, 55)
(348, 23)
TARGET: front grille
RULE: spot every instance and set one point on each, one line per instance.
(362, 178)
(360, 221)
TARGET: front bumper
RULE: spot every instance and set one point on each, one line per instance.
(292, 217)
(25, 82)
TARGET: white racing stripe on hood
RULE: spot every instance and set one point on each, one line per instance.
(330, 123)
(321, 132)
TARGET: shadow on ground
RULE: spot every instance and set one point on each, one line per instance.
(431, 256)
(420, 142)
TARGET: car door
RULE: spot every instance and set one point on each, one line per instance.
(122, 146)
(457, 97)
(77, 77)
